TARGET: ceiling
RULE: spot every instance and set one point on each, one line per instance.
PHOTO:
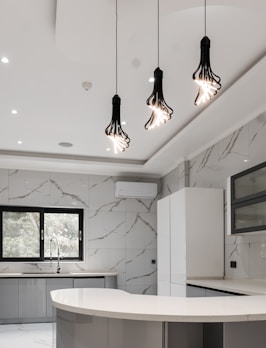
(54, 46)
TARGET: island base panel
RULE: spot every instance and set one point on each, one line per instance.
(83, 331)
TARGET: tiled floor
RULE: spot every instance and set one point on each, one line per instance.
(27, 335)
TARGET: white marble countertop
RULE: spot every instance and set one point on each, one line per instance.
(118, 304)
(240, 286)
(53, 274)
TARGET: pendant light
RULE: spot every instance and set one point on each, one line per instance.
(161, 112)
(208, 82)
(114, 130)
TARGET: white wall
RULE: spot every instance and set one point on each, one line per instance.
(211, 169)
(120, 234)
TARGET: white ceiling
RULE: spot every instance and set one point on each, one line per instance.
(54, 46)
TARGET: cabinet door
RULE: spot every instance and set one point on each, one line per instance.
(195, 291)
(32, 298)
(178, 239)
(205, 232)
(214, 293)
(8, 298)
(163, 247)
(55, 284)
(89, 282)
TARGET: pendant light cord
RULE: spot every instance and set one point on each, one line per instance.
(205, 21)
(158, 28)
(116, 24)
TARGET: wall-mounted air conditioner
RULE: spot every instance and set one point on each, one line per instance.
(144, 190)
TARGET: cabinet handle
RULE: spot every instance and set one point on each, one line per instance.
(42, 235)
(80, 235)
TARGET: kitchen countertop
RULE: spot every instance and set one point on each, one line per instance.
(240, 286)
(53, 274)
(118, 304)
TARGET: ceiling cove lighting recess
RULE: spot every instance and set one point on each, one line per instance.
(208, 82)
(114, 130)
(161, 112)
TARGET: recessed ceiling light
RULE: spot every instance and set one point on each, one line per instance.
(65, 144)
(245, 160)
(14, 112)
(151, 79)
(19, 142)
(4, 60)
(123, 123)
(108, 149)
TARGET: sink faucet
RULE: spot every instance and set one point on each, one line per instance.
(54, 239)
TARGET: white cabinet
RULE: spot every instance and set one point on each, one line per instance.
(163, 247)
(190, 238)
(8, 298)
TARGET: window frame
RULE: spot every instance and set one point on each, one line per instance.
(42, 211)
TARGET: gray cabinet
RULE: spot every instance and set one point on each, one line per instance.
(28, 299)
(194, 291)
(8, 298)
(97, 282)
(197, 291)
(32, 298)
(55, 284)
(214, 293)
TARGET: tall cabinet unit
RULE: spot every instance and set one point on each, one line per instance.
(190, 238)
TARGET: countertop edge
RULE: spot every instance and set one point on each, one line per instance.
(239, 286)
(114, 304)
(57, 275)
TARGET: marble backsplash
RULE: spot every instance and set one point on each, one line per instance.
(241, 150)
(120, 234)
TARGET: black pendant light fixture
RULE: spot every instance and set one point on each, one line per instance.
(208, 82)
(114, 130)
(161, 112)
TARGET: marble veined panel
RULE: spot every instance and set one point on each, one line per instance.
(175, 180)
(142, 289)
(102, 194)
(140, 269)
(256, 141)
(233, 154)
(257, 260)
(69, 190)
(141, 231)
(239, 253)
(204, 169)
(3, 186)
(141, 205)
(108, 259)
(107, 230)
(29, 188)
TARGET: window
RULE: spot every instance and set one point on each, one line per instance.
(35, 234)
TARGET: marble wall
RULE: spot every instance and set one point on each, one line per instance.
(120, 234)
(241, 150)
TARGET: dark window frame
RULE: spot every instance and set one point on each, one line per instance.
(42, 211)
(246, 201)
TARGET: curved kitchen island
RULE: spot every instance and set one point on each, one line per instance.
(109, 318)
